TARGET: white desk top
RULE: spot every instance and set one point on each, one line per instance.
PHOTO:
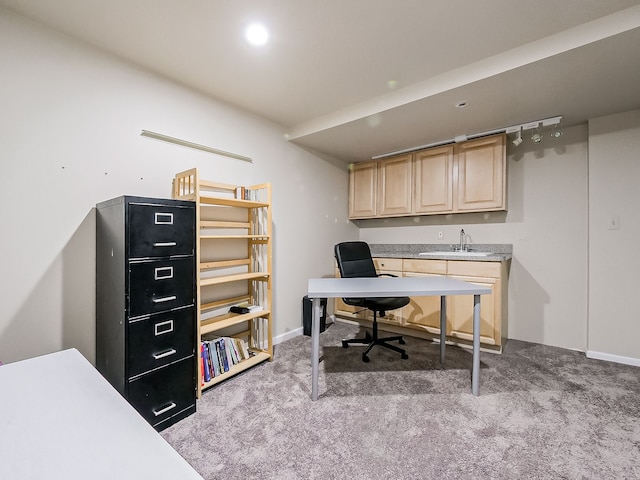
(391, 287)
(60, 419)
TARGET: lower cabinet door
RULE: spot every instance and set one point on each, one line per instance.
(423, 313)
(165, 393)
(460, 312)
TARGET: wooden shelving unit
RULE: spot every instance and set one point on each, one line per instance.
(233, 255)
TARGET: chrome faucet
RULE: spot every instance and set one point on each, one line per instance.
(463, 247)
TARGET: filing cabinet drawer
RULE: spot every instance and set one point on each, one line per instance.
(163, 393)
(160, 230)
(160, 339)
(160, 285)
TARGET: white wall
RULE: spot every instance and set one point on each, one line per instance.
(70, 138)
(614, 191)
(547, 225)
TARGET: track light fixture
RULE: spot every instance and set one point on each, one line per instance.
(537, 127)
(536, 136)
(518, 140)
(556, 133)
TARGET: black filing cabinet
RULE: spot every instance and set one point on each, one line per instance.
(145, 304)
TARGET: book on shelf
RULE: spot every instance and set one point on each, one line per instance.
(243, 347)
(205, 361)
(215, 360)
(259, 332)
(244, 193)
(218, 349)
(219, 355)
(202, 364)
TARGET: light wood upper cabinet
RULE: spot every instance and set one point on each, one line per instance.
(481, 174)
(394, 185)
(433, 180)
(465, 177)
(363, 182)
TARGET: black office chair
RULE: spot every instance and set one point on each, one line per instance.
(354, 260)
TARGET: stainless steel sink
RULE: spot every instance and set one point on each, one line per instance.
(456, 254)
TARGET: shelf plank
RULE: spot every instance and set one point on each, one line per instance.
(259, 357)
(233, 278)
(224, 263)
(223, 224)
(228, 320)
(225, 301)
(218, 237)
(230, 202)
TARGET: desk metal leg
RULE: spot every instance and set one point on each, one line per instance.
(443, 326)
(315, 347)
(475, 372)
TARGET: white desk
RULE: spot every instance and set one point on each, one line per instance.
(60, 419)
(395, 287)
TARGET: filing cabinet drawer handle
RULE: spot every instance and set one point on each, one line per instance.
(165, 244)
(165, 409)
(163, 327)
(164, 299)
(166, 353)
(164, 218)
(163, 273)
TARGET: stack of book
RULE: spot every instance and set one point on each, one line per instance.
(218, 355)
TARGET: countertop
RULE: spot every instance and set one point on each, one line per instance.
(501, 251)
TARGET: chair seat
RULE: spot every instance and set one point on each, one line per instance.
(379, 304)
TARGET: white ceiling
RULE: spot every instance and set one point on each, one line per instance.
(358, 78)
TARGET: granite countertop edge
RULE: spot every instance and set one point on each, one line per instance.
(501, 251)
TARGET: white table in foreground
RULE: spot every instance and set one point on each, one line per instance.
(395, 287)
(60, 419)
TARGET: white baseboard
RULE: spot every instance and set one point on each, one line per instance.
(613, 358)
(287, 335)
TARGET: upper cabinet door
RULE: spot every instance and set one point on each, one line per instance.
(481, 174)
(433, 180)
(363, 181)
(394, 185)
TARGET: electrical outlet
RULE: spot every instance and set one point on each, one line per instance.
(440, 235)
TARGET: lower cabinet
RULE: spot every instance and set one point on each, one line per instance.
(423, 313)
(421, 317)
(493, 309)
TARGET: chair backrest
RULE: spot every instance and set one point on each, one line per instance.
(354, 260)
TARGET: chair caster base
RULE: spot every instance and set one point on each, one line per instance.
(345, 344)
(401, 341)
(365, 359)
(404, 356)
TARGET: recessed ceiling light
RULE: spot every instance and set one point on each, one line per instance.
(256, 34)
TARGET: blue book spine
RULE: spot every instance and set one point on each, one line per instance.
(223, 353)
(205, 364)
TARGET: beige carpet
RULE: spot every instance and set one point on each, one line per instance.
(542, 413)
